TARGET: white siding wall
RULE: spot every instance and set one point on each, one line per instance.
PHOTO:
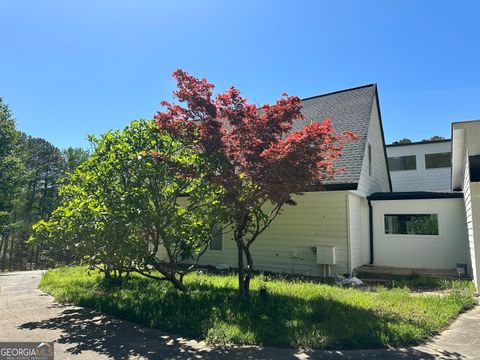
(472, 204)
(421, 178)
(378, 180)
(466, 143)
(359, 241)
(319, 218)
(475, 241)
(422, 251)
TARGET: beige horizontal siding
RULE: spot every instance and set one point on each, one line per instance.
(318, 219)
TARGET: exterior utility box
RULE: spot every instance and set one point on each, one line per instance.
(326, 255)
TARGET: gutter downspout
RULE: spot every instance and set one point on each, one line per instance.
(370, 222)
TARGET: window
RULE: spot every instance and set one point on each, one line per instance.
(369, 159)
(402, 163)
(474, 168)
(217, 240)
(440, 160)
(412, 224)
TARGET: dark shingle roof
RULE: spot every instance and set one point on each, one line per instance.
(347, 110)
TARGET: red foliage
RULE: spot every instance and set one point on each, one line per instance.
(247, 144)
(252, 153)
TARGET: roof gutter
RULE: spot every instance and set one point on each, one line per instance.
(415, 195)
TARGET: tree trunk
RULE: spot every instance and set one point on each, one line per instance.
(178, 284)
(37, 256)
(10, 255)
(248, 271)
(106, 273)
(241, 271)
(244, 273)
(4, 255)
(168, 274)
(31, 252)
(2, 248)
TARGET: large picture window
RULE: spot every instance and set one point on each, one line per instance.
(439, 160)
(411, 224)
(402, 163)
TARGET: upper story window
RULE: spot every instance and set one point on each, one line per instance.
(438, 160)
(369, 149)
(402, 163)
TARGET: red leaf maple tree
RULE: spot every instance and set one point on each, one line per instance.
(252, 153)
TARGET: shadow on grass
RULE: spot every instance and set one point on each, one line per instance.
(87, 330)
(218, 313)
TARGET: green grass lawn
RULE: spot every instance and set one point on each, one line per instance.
(293, 313)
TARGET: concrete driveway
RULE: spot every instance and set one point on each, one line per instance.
(28, 314)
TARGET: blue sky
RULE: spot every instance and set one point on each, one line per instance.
(72, 68)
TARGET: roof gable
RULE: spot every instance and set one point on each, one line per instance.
(347, 110)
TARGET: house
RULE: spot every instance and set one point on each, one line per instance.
(412, 206)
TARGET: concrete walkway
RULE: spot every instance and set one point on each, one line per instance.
(27, 314)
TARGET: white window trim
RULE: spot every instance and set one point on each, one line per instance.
(391, 236)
